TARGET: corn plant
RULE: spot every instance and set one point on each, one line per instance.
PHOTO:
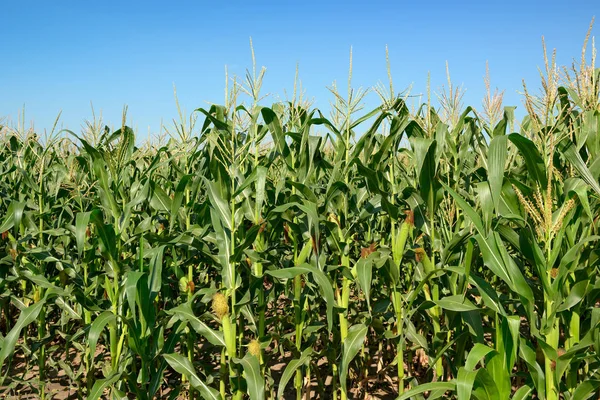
(270, 251)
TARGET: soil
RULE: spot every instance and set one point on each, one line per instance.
(378, 381)
(22, 382)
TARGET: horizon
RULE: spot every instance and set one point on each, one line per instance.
(71, 67)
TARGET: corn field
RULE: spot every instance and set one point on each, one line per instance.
(269, 252)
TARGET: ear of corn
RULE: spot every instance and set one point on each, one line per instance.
(419, 251)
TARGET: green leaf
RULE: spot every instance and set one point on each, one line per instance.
(572, 155)
(13, 216)
(488, 294)
(509, 340)
(26, 317)
(485, 387)
(223, 238)
(155, 280)
(496, 161)
(533, 159)
(97, 327)
(319, 277)
(101, 384)
(108, 239)
(477, 354)
(178, 199)
(184, 313)
(507, 119)
(576, 294)
(183, 366)
(424, 150)
(277, 132)
(578, 187)
(292, 367)
(218, 203)
(254, 379)
(464, 383)
(501, 363)
(156, 377)
(81, 224)
(364, 272)
(486, 201)
(494, 253)
(456, 303)
(160, 199)
(566, 263)
(427, 387)
(473, 216)
(261, 180)
(351, 346)
(586, 389)
(522, 393)
(131, 290)
(528, 354)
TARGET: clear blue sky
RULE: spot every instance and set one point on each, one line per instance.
(62, 55)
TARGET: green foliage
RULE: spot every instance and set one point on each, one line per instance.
(452, 257)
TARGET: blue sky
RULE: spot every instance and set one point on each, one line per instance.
(64, 55)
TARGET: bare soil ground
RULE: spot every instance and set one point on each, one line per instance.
(377, 381)
(23, 381)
